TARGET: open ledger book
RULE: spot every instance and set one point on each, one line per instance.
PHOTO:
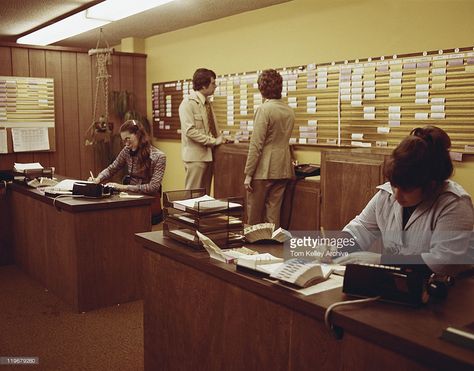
(302, 273)
(266, 232)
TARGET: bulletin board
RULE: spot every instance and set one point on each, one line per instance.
(26, 114)
(374, 102)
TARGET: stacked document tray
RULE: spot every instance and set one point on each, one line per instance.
(188, 211)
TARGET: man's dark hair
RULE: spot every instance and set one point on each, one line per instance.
(270, 84)
(202, 78)
(420, 159)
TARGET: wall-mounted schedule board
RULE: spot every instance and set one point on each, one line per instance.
(374, 102)
(26, 114)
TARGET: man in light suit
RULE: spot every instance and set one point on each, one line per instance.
(199, 131)
(269, 163)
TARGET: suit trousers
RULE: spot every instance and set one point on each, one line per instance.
(198, 175)
(264, 202)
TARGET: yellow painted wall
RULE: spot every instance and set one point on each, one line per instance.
(307, 31)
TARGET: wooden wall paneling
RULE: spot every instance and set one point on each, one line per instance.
(139, 84)
(53, 70)
(100, 150)
(85, 108)
(73, 108)
(71, 114)
(6, 160)
(114, 85)
(20, 67)
(126, 73)
(6, 58)
(37, 66)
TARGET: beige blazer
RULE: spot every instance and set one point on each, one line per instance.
(196, 138)
(269, 150)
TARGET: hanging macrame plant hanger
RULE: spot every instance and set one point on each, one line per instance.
(100, 130)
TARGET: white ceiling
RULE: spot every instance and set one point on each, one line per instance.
(20, 16)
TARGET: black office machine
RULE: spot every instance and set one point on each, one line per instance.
(394, 284)
(88, 189)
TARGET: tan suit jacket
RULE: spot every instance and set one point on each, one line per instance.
(196, 138)
(269, 154)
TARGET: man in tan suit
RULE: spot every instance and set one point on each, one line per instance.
(199, 131)
(269, 163)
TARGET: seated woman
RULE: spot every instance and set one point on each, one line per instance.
(145, 165)
(421, 217)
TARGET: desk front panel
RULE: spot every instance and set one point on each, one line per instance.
(190, 299)
(89, 258)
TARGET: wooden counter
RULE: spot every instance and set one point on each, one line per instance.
(301, 204)
(202, 314)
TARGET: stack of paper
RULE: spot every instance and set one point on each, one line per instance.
(22, 167)
(205, 203)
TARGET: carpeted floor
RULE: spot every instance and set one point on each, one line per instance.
(35, 323)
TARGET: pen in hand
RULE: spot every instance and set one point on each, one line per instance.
(92, 176)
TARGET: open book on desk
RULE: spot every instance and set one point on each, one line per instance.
(301, 273)
(204, 203)
(266, 232)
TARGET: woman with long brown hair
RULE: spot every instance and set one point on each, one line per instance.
(144, 163)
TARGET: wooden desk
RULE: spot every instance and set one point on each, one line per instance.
(349, 178)
(202, 314)
(83, 250)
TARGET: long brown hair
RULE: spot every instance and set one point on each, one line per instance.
(144, 143)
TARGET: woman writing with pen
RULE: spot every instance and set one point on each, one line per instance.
(144, 163)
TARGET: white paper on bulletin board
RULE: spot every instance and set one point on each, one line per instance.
(30, 139)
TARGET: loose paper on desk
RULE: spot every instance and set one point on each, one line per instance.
(226, 256)
(126, 195)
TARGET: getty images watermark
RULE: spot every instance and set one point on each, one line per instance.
(316, 246)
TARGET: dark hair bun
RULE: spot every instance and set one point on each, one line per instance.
(420, 159)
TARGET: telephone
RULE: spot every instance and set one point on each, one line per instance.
(302, 273)
(393, 284)
(305, 170)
